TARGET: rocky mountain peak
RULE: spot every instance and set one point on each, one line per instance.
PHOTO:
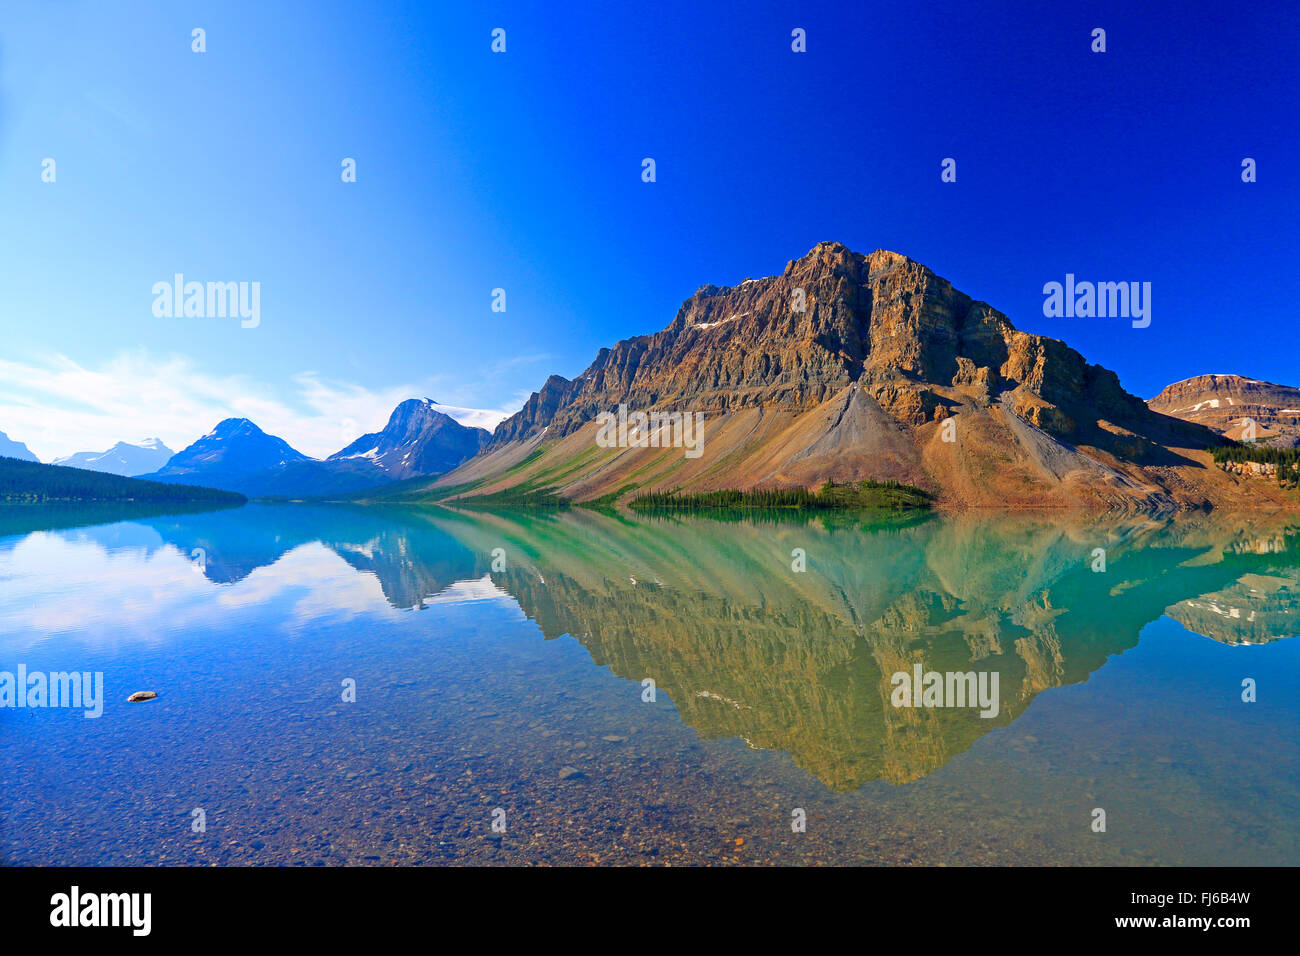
(834, 318)
(233, 427)
(844, 367)
(1228, 403)
(410, 418)
(235, 448)
(123, 458)
(417, 440)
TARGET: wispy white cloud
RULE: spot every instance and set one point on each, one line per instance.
(501, 366)
(156, 596)
(478, 417)
(58, 406)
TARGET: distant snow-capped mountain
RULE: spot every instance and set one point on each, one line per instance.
(123, 458)
(228, 456)
(15, 449)
(239, 456)
(418, 440)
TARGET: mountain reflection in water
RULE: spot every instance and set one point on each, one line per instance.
(740, 643)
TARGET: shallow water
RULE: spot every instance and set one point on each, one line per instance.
(519, 687)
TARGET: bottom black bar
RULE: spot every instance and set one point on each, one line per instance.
(333, 905)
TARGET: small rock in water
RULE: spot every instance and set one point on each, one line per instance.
(141, 696)
(570, 773)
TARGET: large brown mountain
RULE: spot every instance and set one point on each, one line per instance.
(1225, 402)
(858, 384)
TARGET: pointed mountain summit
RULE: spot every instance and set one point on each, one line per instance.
(238, 456)
(235, 447)
(233, 456)
(418, 440)
(122, 459)
(846, 367)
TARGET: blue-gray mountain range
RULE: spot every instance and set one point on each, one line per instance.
(123, 458)
(238, 456)
(15, 449)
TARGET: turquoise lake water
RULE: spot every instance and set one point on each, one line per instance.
(499, 662)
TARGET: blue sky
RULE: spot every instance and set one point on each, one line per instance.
(522, 171)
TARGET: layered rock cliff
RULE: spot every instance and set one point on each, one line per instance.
(1229, 403)
(880, 321)
(849, 366)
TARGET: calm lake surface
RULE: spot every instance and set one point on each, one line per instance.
(512, 679)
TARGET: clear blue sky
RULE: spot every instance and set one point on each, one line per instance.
(522, 171)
